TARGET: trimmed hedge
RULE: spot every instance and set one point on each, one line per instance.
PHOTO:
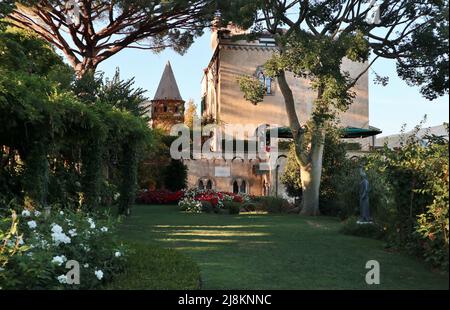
(270, 204)
(351, 227)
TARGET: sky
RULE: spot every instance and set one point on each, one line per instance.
(390, 106)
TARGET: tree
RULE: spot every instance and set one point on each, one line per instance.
(175, 175)
(6, 6)
(190, 114)
(313, 38)
(90, 31)
(425, 62)
(121, 95)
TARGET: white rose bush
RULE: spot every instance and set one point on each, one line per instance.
(34, 249)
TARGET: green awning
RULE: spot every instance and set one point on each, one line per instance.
(353, 132)
(347, 133)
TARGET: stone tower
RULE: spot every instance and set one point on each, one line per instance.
(167, 105)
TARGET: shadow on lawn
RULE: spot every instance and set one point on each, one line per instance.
(193, 237)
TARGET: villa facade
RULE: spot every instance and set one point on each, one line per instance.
(223, 104)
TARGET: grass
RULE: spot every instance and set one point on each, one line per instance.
(257, 251)
(156, 268)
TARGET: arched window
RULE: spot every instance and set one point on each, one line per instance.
(209, 185)
(201, 185)
(235, 187)
(243, 188)
(165, 108)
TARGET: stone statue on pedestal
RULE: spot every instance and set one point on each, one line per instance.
(364, 197)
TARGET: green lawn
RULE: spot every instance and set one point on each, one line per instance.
(274, 251)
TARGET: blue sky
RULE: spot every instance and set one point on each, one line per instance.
(390, 106)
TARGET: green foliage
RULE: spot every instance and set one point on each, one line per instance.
(408, 195)
(425, 62)
(336, 168)
(190, 205)
(207, 207)
(48, 241)
(252, 89)
(6, 6)
(10, 239)
(418, 176)
(157, 170)
(175, 176)
(121, 95)
(272, 204)
(232, 207)
(190, 114)
(347, 185)
(351, 227)
(291, 177)
(59, 137)
(319, 59)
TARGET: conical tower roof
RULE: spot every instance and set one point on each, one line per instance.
(168, 88)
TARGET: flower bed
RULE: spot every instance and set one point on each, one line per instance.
(161, 197)
(218, 200)
(37, 250)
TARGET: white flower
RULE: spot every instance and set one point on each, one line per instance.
(61, 213)
(59, 238)
(86, 265)
(99, 274)
(86, 248)
(117, 254)
(59, 260)
(104, 229)
(44, 244)
(56, 228)
(91, 222)
(29, 254)
(73, 232)
(32, 224)
(26, 213)
(37, 213)
(62, 279)
(21, 241)
(1, 269)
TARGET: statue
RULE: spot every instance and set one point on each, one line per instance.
(364, 198)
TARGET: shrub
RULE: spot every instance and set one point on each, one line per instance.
(416, 184)
(252, 206)
(175, 176)
(47, 242)
(351, 227)
(272, 204)
(346, 202)
(217, 199)
(233, 207)
(190, 205)
(207, 207)
(161, 197)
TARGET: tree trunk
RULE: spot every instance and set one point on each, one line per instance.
(311, 174)
(309, 158)
(82, 68)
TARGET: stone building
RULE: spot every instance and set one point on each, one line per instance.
(167, 107)
(223, 104)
